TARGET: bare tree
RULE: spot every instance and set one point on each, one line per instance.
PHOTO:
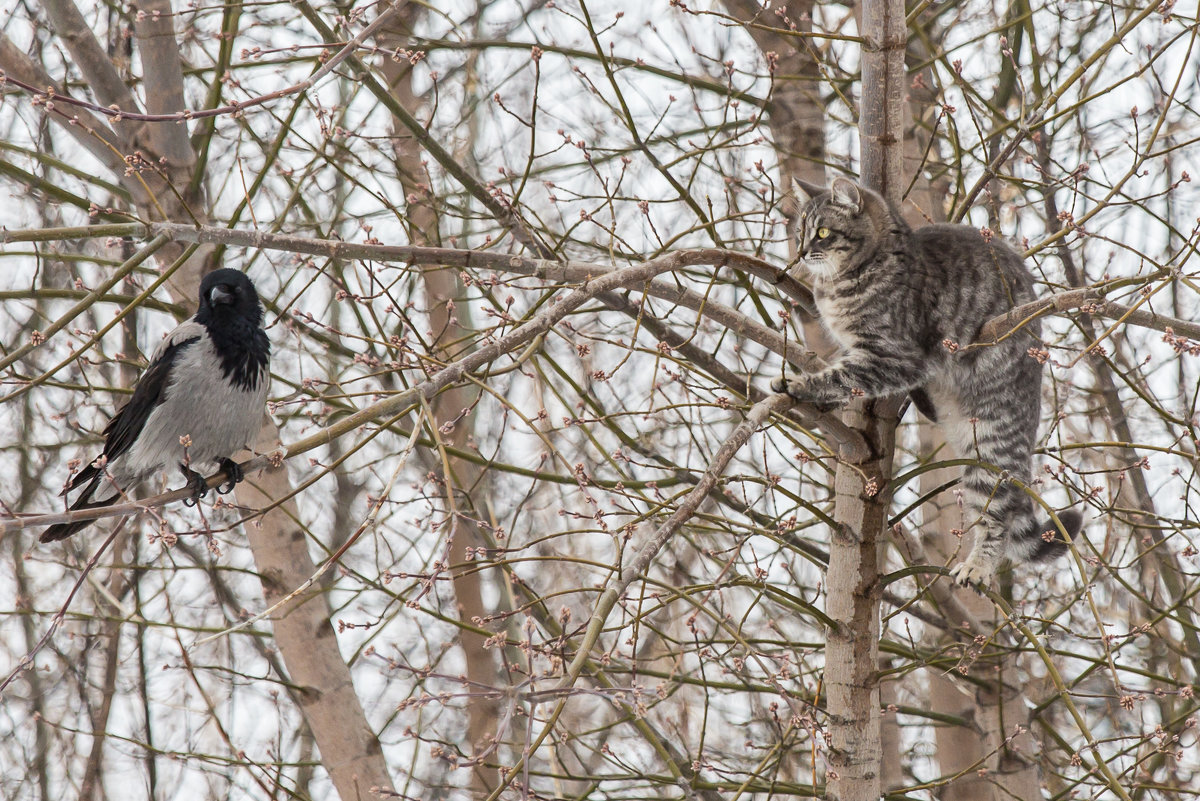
(526, 521)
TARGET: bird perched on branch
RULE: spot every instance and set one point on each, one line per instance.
(200, 401)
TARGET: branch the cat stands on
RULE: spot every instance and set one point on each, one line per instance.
(900, 301)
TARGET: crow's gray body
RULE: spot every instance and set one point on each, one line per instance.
(206, 386)
(220, 419)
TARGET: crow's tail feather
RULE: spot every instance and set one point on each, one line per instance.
(60, 531)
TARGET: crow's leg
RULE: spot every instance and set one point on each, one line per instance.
(233, 473)
(196, 483)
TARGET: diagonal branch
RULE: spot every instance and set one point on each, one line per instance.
(88, 56)
(402, 402)
(88, 131)
(755, 418)
(1090, 301)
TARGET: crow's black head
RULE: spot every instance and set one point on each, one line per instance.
(226, 294)
(230, 310)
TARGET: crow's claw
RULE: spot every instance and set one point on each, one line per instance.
(196, 483)
(234, 475)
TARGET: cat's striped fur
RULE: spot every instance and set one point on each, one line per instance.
(903, 304)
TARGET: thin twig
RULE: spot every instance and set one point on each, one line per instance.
(756, 417)
(56, 621)
(117, 114)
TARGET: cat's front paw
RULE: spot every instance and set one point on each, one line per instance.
(796, 388)
(802, 391)
(974, 571)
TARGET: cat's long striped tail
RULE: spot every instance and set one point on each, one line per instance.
(1044, 542)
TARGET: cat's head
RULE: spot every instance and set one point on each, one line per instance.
(837, 226)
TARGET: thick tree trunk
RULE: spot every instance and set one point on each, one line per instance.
(349, 749)
(881, 112)
(852, 599)
(861, 505)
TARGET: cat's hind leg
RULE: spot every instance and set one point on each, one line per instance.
(999, 506)
(989, 411)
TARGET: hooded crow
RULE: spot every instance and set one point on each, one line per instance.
(200, 401)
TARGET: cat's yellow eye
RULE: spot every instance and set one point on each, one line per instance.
(822, 233)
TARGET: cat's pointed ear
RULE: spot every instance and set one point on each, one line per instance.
(846, 193)
(808, 188)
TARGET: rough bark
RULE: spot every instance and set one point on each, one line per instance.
(853, 597)
(881, 113)
(861, 506)
(349, 749)
(465, 479)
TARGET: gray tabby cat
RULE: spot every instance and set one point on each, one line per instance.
(900, 302)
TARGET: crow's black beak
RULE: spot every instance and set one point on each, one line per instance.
(220, 294)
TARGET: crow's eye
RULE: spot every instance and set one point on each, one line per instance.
(823, 233)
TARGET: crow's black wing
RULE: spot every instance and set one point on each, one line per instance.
(123, 430)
